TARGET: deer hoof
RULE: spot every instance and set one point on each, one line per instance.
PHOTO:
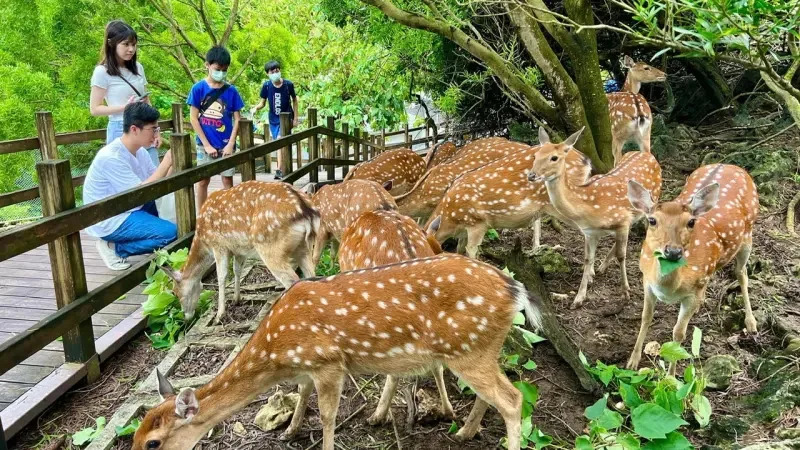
(377, 420)
(287, 435)
(632, 364)
(465, 435)
(576, 304)
(448, 415)
(750, 324)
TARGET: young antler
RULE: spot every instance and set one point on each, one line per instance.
(341, 204)
(400, 167)
(273, 221)
(393, 319)
(709, 224)
(630, 114)
(600, 206)
(499, 195)
(423, 198)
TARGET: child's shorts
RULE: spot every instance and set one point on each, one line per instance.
(205, 158)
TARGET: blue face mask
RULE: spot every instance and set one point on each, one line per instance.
(218, 75)
(274, 77)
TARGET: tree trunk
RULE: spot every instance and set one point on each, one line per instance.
(711, 80)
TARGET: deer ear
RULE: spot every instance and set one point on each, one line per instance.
(627, 61)
(434, 226)
(704, 199)
(640, 197)
(172, 274)
(164, 386)
(544, 138)
(388, 185)
(310, 188)
(570, 142)
(186, 404)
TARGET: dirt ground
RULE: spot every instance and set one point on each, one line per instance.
(604, 328)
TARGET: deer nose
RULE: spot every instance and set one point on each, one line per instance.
(673, 253)
(532, 177)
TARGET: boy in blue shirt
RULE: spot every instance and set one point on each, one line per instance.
(215, 113)
(278, 92)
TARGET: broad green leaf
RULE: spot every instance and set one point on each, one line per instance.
(697, 338)
(667, 266)
(689, 373)
(157, 304)
(530, 365)
(582, 357)
(629, 395)
(127, 429)
(465, 389)
(684, 390)
(596, 410)
(673, 441)
(453, 427)
(610, 420)
(628, 441)
(530, 393)
(654, 422)
(519, 319)
(531, 337)
(87, 435)
(606, 375)
(512, 359)
(539, 439)
(702, 409)
(672, 352)
(583, 443)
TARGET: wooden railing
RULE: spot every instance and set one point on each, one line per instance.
(62, 222)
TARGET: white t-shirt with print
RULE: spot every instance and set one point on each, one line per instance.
(117, 91)
(113, 170)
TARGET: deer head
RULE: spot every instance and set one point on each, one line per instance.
(638, 73)
(550, 161)
(187, 290)
(172, 420)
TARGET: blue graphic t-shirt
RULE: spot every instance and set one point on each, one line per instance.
(279, 100)
(217, 120)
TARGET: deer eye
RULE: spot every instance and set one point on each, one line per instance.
(651, 221)
(153, 444)
(690, 223)
(554, 158)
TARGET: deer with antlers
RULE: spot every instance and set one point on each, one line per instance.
(631, 118)
(400, 167)
(688, 239)
(499, 195)
(440, 154)
(341, 204)
(393, 319)
(271, 220)
(598, 207)
(423, 198)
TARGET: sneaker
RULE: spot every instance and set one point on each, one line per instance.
(110, 257)
(278, 174)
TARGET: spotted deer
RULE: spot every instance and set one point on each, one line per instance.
(440, 154)
(393, 319)
(341, 204)
(499, 195)
(629, 112)
(598, 207)
(401, 167)
(271, 220)
(707, 226)
(423, 198)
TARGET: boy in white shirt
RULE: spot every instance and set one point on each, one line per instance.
(121, 165)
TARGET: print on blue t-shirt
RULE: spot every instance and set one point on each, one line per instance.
(279, 99)
(217, 121)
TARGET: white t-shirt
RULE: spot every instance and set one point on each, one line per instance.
(117, 91)
(113, 170)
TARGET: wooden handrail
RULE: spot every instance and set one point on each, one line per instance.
(24, 195)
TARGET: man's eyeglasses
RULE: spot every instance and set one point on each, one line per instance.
(156, 130)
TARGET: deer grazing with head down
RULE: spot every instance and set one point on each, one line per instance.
(271, 220)
(423, 198)
(401, 167)
(598, 207)
(631, 118)
(688, 239)
(440, 154)
(393, 319)
(499, 195)
(341, 204)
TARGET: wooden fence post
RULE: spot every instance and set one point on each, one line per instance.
(313, 145)
(181, 147)
(246, 142)
(345, 149)
(66, 260)
(47, 135)
(357, 144)
(383, 140)
(268, 156)
(286, 152)
(331, 169)
(3, 444)
(427, 134)
(177, 117)
(407, 136)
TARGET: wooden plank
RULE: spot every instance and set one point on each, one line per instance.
(24, 374)
(124, 331)
(15, 264)
(184, 198)
(24, 195)
(49, 294)
(47, 135)
(3, 405)
(246, 140)
(26, 237)
(46, 306)
(44, 273)
(55, 346)
(19, 145)
(38, 283)
(35, 315)
(47, 358)
(19, 326)
(286, 151)
(12, 391)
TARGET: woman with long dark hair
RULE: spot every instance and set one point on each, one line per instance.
(119, 80)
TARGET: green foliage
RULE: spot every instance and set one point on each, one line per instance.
(89, 434)
(128, 429)
(492, 235)
(652, 406)
(327, 265)
(165, 319)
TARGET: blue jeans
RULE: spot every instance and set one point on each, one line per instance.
(142, 232)
(114, 131)
(275, 130)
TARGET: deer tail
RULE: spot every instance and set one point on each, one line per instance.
(527, 303)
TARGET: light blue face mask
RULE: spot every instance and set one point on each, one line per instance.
(274, 77)
(218, 75)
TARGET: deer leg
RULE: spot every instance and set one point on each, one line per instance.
(304, 389)
(319, 244)
(475, 236)
(647, 319)
(221, 257)
(382, 411)
(447, 408)
(237, 272)
(473, 423)
(307, 264)
(537, 233)
(621, 247)
(462, 244)
(644, 144)
(492, 387)
(278, 263)
(616, 148)
(329, 389)
(607, 261)
(688, 308)
(588, 269)
(741, 273)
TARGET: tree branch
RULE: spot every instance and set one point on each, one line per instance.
(243, 68)
(209, 29)
(166, 12)
(231, 20)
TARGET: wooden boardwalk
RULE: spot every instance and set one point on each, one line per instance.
(27, 296)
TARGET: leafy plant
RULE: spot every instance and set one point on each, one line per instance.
(327, 265)
(492, 235)
(165, 319)
(89, 434)
(128, 429)
(649, 406)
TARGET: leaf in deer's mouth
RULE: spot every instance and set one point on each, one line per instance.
(667, 266)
